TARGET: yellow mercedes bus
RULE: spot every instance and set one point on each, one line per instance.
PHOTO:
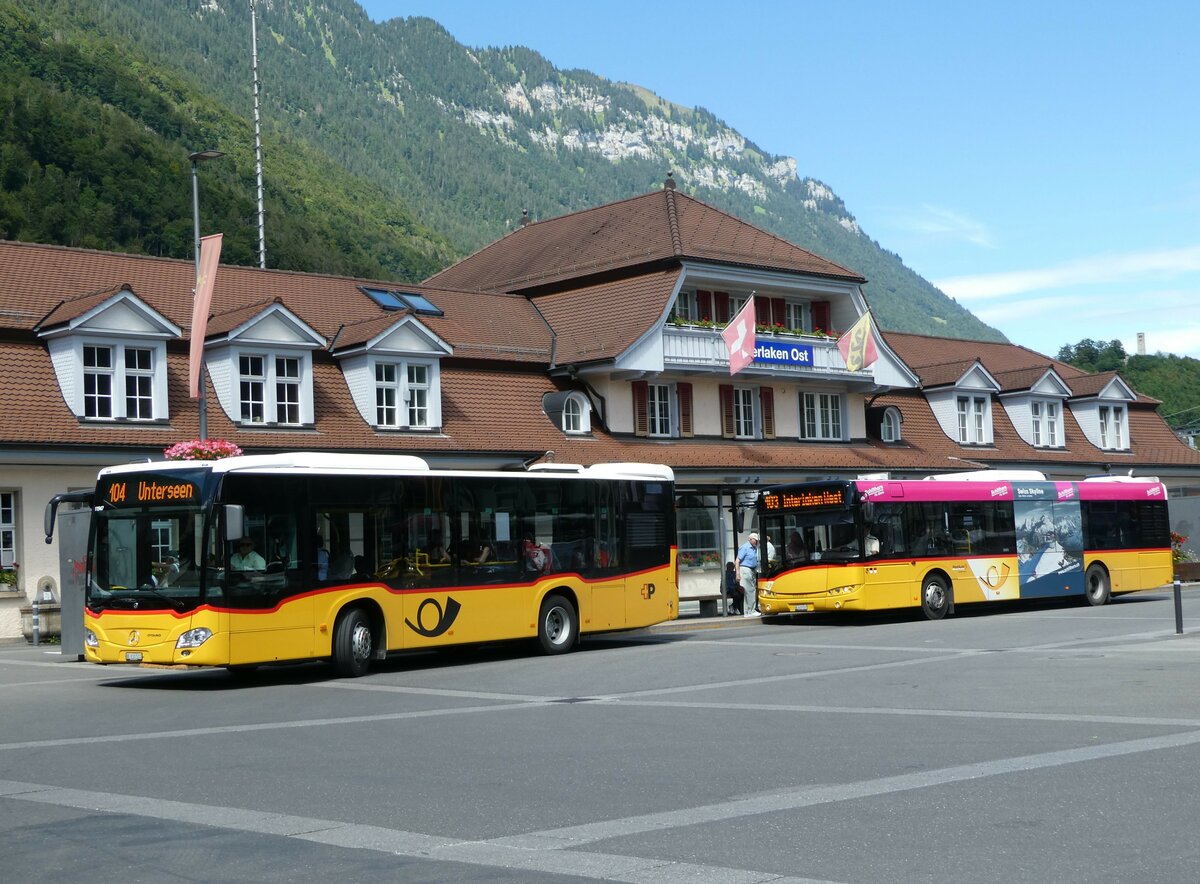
(263, 559)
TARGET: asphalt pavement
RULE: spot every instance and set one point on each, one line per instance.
(1020, 742)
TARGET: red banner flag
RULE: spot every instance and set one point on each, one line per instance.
(739, 337)
(210, 255)
(857, 346)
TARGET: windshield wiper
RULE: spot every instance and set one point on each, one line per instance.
(131, 601)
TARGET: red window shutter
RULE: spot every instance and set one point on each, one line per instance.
(641, 409)
(704, 301)
(727, 411)
(820, 315)
(766, 396)
(684, 391)
(762, 311)
(778, 312)
(721, 307)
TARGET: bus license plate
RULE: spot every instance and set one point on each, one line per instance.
(803, 608)
(133, 656)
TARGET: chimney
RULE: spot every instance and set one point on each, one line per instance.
(524, 217)
(669, 184)
(1141, 345)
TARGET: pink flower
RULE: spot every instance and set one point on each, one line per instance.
(201, 449)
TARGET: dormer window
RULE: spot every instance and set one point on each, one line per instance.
(393, 369)
(260, 361)
(576, 416)
(110, 356)
(889, 429)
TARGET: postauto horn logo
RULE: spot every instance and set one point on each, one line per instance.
(442, 620)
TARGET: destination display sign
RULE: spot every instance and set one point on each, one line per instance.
(134, 490)
(802, 499)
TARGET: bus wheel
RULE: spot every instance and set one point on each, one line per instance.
(352, 644)
(558, 624)
(935, 598)
(1096, 588)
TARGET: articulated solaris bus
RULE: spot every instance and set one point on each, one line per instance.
(976, 537)
(264, 559)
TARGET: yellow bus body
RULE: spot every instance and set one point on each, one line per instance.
(883, 585)
(301, 627)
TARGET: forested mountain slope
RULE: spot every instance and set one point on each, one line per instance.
(390, 149)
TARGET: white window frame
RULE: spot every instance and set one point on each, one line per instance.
(139, 383)
(99, 375)
(890, 427)
(1046, 417)
(821, 416)
(418, 394)
(660, 411)
(745, 412)
(577, 415)
(248, 383)
(1112, 427)
(279, 389)
(9, 540)
(387, 393)
(972, 419)
(413, 404)
(287, 389)
(119, 375)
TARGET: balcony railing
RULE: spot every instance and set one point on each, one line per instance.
(700, 348)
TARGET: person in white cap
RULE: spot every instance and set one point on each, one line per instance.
(747, 561)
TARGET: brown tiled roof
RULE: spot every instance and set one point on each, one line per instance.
(602, 321)
(35, 279)
(1020, 378)
(664, 225)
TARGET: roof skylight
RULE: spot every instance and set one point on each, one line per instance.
(390, 299)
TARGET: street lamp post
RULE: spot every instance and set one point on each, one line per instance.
(197, 158)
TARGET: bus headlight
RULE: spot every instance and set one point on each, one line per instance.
(89, 639)
(194, 638)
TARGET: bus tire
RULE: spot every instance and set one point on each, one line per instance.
(558, 624)
(353, 644)
(935, 597)
(1096, 587)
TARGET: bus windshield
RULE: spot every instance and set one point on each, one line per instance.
(807, 537)
(149, 543)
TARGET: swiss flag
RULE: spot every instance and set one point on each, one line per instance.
(739, 337)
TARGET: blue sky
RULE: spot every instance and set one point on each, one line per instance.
(1038, 161)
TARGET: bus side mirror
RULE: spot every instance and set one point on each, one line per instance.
(235, 519)
(739, 519)
(868, 510)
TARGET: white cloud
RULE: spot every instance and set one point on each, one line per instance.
(935, 221)
(1088, 271)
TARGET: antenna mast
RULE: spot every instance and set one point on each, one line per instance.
(262, 231)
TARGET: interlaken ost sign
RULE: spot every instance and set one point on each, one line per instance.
(783, 354)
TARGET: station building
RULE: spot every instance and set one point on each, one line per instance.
(586, 338)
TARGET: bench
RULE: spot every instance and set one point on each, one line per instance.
(709, 604)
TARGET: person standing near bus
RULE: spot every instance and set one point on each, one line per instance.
(747, 561)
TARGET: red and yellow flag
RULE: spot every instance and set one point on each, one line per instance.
(857, 346)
